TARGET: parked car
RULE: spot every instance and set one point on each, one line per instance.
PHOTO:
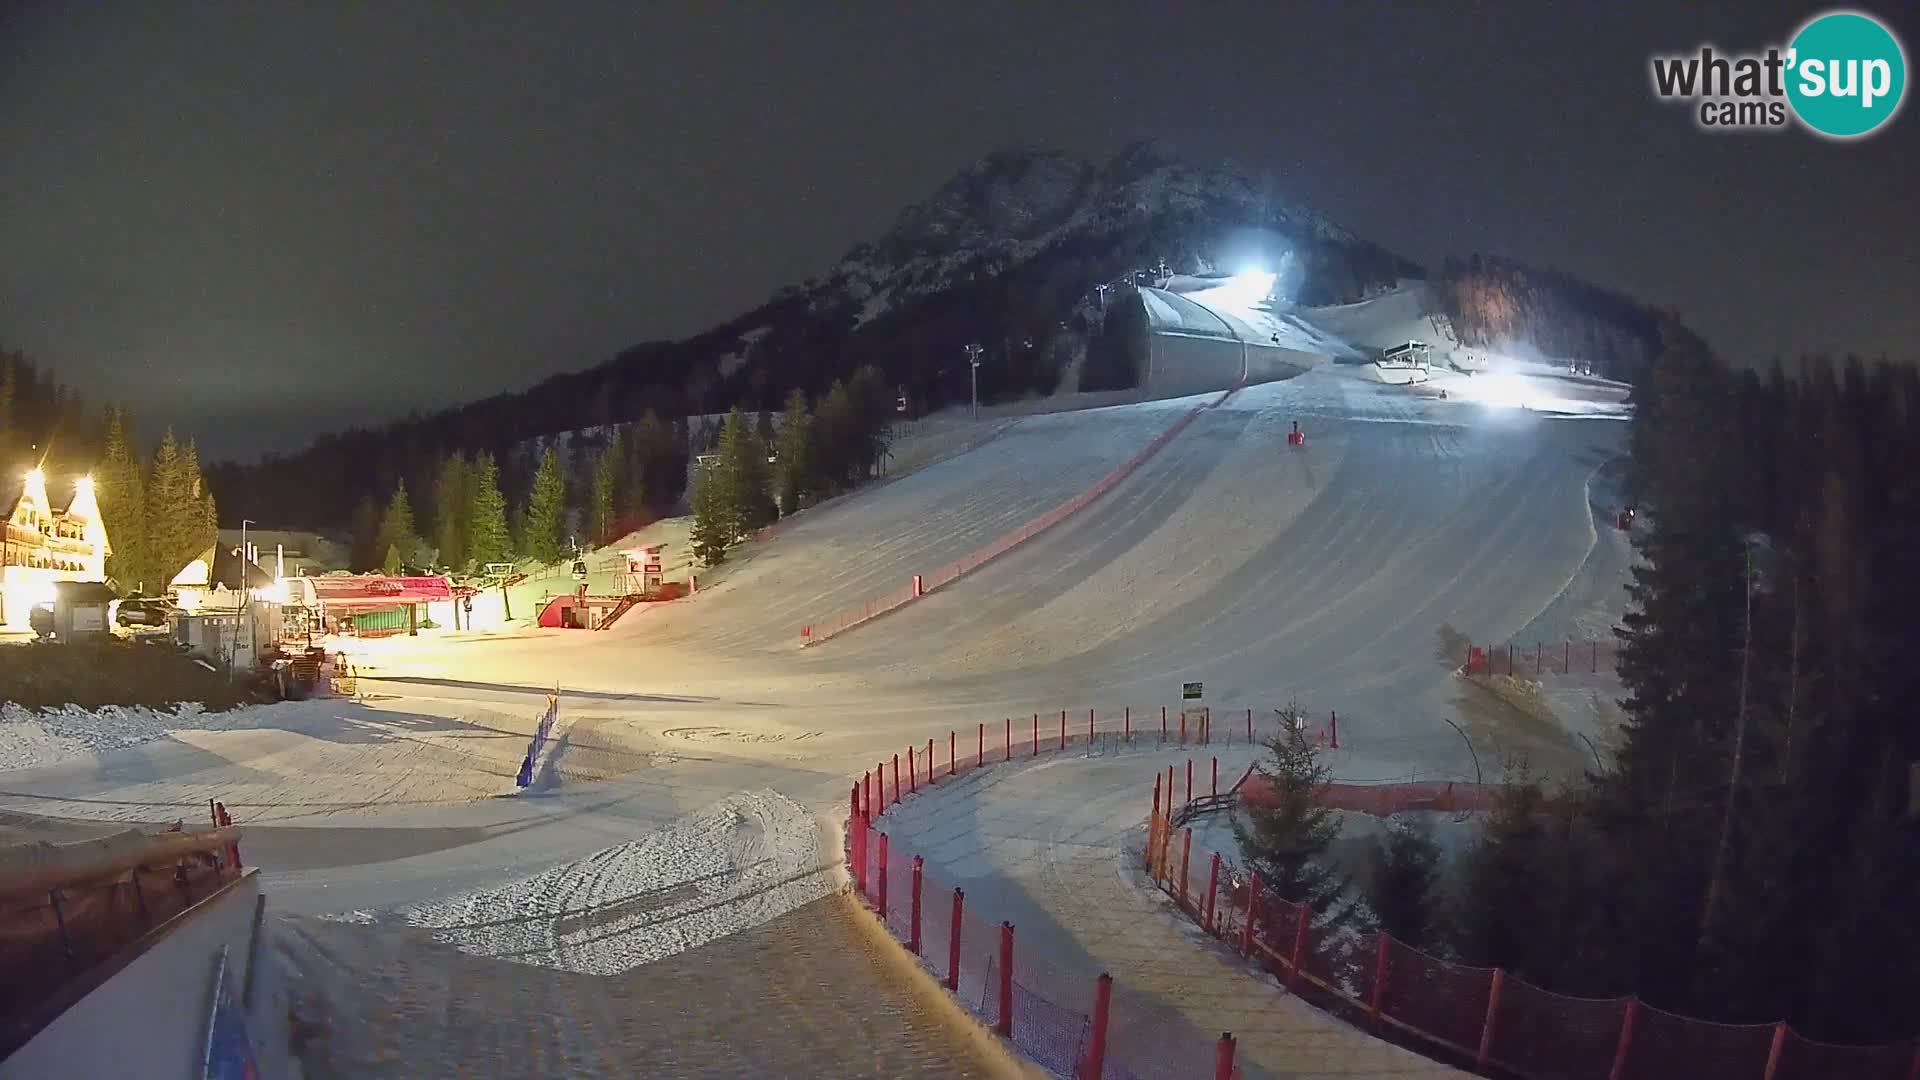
(145, 613)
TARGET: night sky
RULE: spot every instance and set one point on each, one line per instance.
(259, 221)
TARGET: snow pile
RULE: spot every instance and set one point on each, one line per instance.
(29, 738)
(740, 863)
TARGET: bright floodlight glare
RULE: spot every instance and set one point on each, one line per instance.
(85, 483)
(1251, 286)
(1501, 391)
(35, 476)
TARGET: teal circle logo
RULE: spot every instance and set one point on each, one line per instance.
(1846, 74)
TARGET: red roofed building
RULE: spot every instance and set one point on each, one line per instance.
(369, 605)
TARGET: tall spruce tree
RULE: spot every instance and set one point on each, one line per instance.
(743, 477)
(397, 539)
(452, 503)
(1285, 834)
(604, 500)
(795, 452)
(120, 490)
(713, 522)
(488, 540)
(544, 535)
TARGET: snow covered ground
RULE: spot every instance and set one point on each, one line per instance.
(1331, 572)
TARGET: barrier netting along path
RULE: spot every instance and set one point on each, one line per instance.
(1480, 1018)
(846, 619)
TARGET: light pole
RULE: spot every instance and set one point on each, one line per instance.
(246, 591)
(973, 360)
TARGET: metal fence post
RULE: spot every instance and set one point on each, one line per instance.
(1163, 723)
(1213, 889)
(929, 762)
(1005, 1026)
(1097, 1039)
(1033, 748)
(1249, 726)
(1126, 722)
(913, 773)
(1215, 788)
(1626, 1040)
(1223, 1057)
(1189, 801)
(1379, 979)
(980, 750)
(883, 877)
(953, 756)
(1009, 754)
(1333, 727)
(1063, 729)
(1089, 728)
(953, 942)
(914, 942)
(1493, 1014)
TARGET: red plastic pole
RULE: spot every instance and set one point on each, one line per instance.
(1009, 756)
(914, 942)
(1333, 726)
(1302, 914)
(880, 786)
(1005, 1026)
(1216, 777)
(1773, 1051)
(1493, 1007)
(913, 772)
(883, 877)
(1213, 889)
(1619, 1069)
(1379, 978)
(1183, 727)
(859, 855)
(1156, 794)
(953, 754)
(1253, 909)
(1223, 1057)
(1163, 723)
(1097, 1042)
(896, 776)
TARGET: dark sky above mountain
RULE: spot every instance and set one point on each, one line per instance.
(261, 221)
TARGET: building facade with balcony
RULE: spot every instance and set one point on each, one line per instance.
(41, 544)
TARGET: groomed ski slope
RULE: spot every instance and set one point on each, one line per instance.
(1325, 572)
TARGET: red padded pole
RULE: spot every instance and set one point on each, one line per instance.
(1620, 1048)
(1223, 1057)
(953, 747)
(1097, 1040)
(896, 776)
(913, 772)
(1493, 1013)
(914, 942)
(883, 877)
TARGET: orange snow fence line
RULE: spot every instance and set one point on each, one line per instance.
(920, 584)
